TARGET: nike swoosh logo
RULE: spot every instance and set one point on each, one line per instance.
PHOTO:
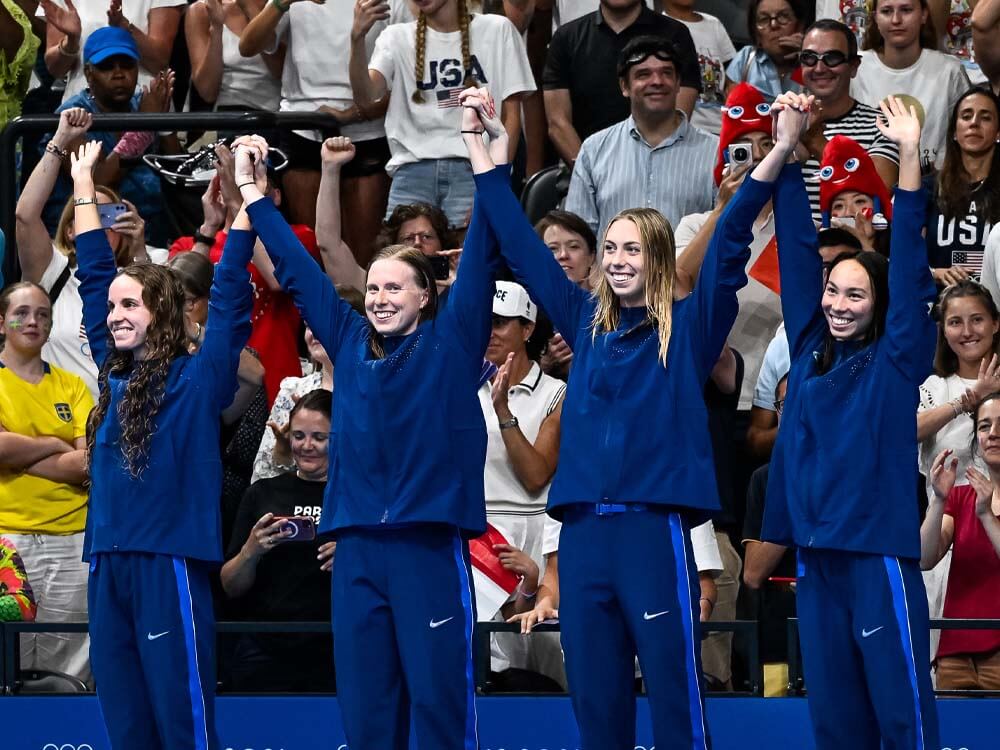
(647, 616)
(151, 637)
(439, 623)
(866, 633)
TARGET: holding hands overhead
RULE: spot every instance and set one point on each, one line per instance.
(480, 115)
(792, 120)
(250, 171)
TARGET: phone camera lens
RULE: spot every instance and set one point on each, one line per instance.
(741, 155)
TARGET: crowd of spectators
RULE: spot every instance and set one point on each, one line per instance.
(619, 104)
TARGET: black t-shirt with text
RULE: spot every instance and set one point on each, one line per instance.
(289, 584)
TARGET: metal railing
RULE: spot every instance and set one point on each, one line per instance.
(248, 122)
(10, 644)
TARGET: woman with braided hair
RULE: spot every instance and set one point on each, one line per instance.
(153, 441)
(426, 64)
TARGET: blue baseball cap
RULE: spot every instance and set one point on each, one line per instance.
(108, 41)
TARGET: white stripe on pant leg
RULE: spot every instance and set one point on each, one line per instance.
(679, 544)
(903, 621)
(195, 690)
(465, 588)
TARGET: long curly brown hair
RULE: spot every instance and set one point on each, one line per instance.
(166, 340)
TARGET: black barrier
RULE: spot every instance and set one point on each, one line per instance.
(10, 643)
(250, 121)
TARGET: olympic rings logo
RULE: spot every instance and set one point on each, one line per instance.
(67, 746)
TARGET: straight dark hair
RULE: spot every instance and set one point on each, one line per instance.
(877, 268)
(954, 186)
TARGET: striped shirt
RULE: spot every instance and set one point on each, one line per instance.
(617, 169)
(858, 123)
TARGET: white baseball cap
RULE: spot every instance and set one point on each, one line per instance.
(512, 301)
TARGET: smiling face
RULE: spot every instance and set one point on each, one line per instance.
(651, 87)
(988, 432)
(309, 435)
(27, 320)
(976, 126)
(848, 301)
(128, 317)
(393, 297)
(623, 263)
(968, 328)
(828, 84)
(571, 251)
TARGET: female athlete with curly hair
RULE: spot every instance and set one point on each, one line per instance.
(153, 439)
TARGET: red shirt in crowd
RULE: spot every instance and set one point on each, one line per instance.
(974, 580)
(275, 319)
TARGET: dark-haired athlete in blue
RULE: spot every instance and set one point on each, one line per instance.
(841, 484)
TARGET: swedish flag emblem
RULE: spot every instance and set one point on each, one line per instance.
(64, 412)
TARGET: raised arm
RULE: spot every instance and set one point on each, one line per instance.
(367, 85)
(157, 42)
(95, 259)
(801, 268)
(338, 260)
(203, 26)
(909, 330)
(259, 35)
(471, 295)
(530, 260)
(723, 272)
(938, 528)
(330, 318)
(34, 246)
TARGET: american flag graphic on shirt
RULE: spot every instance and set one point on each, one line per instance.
(968, 260)
(447, 98)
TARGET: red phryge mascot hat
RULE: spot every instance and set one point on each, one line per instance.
(746, 111)
(847, 166)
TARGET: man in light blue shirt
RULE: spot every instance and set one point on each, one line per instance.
(653, 159)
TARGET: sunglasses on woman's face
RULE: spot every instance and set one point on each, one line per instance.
(831, 59)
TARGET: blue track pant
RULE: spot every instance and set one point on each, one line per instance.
(402, 634)
(863, 624)
(152, 634)
(628, 586)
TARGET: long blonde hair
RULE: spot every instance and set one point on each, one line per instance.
(656, 242)
(421, 50)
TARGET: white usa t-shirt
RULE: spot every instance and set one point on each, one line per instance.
(431, 129)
